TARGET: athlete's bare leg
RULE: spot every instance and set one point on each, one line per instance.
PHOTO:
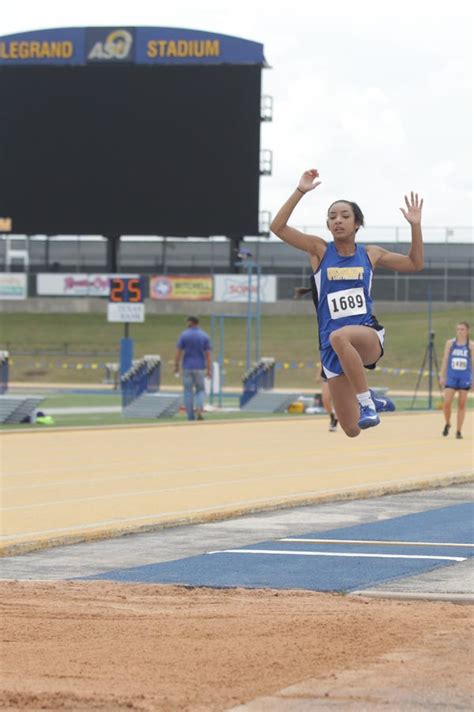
(462, 399)
(345, 404)
(355, 347)
(326, 397)
(447, 404)
(328, 406)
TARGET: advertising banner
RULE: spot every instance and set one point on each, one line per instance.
(194, 287)
(74, 285)
(13, 285)
(235, 288)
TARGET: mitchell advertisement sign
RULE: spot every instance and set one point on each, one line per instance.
(178, 287)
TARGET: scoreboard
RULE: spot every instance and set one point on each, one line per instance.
(130, 131)
(126, 299)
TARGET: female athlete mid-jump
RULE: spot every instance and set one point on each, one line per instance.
(350, 337)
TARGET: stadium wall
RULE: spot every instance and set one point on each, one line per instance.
(284, 307)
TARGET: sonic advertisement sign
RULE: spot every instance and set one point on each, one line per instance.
(137, 45)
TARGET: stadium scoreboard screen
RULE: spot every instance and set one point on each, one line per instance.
(142, 131)
(127, 290)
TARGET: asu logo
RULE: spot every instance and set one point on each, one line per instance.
(117, 46)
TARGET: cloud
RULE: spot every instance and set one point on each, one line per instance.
(369, 118)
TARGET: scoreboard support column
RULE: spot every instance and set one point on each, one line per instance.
(126, 350)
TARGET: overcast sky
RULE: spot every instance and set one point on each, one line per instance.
(379, 100)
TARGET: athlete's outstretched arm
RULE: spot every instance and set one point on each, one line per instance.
(414, 261)
(312, 244)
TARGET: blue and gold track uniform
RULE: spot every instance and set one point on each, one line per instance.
(459, 373)
(341, 294)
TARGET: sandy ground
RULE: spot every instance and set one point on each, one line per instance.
(102, 646)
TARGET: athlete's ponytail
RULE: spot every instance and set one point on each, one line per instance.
(301, 292)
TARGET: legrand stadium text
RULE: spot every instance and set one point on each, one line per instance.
(183, 48)
(36, 50)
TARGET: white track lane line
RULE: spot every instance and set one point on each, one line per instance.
(134, 463)
(326, 553)
(374, 542)
(267, 477)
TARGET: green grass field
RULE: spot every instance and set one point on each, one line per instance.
(71, 348)
(93, 419)
(112, 419)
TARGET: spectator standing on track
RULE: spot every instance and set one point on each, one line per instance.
(350, 336)
(327, 403)
(301, 292)
(457, 375)
(194, 349)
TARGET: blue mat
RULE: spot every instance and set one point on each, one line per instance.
(224, 569)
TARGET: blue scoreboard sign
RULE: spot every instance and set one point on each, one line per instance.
(132, 45)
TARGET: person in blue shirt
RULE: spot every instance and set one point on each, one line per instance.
(193, 349)
(350, 338)
(456, 375)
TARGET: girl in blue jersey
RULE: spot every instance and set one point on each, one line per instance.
(349, 335)
(456, 375)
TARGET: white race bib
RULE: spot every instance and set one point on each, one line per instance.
(347, 302)
(459, 364)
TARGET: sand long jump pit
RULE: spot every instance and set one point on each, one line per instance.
(74, 645)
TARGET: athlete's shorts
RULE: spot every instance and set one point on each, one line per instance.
(459, 383)
(330, 363)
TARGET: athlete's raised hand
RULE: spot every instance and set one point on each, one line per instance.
(413, 209)
(309, 180)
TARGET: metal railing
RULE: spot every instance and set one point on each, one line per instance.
(143, 377)
(396, 287)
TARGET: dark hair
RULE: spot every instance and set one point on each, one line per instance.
(193, 319)
(301, 292)
(358, 214)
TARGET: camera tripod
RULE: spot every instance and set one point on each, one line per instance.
(431, 358)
